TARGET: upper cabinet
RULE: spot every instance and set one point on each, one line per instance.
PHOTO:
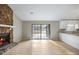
(6, 15)
(64, 23)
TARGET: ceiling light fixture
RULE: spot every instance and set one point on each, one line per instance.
(31, 12)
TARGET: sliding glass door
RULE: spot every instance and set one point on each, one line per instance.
(40, 31)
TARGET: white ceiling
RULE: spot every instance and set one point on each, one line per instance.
(47, 12)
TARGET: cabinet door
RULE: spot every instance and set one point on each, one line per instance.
(63, 24)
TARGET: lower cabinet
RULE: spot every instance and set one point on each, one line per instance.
(70, 39)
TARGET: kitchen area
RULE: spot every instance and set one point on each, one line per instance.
(69, 32)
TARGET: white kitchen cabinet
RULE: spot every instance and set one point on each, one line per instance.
(63, 24)
(70, 39)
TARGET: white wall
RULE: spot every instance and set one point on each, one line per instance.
(54, 26)
(17, 30)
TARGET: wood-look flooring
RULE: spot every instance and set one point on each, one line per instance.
(42, 47)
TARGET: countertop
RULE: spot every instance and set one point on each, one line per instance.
(73, 33)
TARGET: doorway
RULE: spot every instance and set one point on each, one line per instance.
(40, 31)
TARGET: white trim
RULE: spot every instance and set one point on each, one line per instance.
(2, 25)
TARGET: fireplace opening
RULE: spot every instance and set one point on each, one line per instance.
(4, 39)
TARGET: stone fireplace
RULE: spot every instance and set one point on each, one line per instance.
(6, 19)
(6, 31)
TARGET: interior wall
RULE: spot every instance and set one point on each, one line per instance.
(54, 26)
(17, 30)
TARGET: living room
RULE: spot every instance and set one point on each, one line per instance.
(41, 26)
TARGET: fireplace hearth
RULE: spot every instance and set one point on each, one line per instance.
(5, 42)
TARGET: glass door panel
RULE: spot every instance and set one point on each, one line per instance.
(44, 31)
(40, 31)
(36, 32)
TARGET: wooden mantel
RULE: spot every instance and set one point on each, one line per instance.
(3, 25)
